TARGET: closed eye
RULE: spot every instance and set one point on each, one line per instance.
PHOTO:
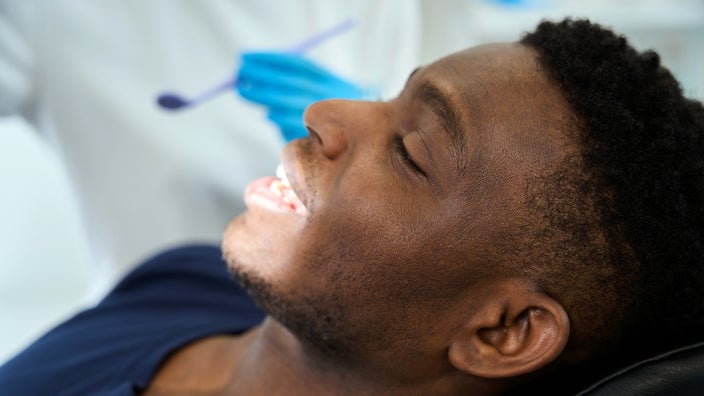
(406, 157)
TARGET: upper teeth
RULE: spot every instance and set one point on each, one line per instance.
(281, 174)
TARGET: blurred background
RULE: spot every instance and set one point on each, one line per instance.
(48, 265)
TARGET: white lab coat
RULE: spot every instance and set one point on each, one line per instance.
(85, 74)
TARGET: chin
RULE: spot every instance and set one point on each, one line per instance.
(240, 249)
(313, 319)
(249, 246)
(229, 243)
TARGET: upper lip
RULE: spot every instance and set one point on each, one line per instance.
(293, 168)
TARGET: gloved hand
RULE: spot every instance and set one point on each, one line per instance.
(286, 84)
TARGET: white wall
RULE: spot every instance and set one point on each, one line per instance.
(44, 265)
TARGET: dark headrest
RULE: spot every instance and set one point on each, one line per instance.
(678, 372)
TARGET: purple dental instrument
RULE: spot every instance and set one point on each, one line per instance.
(173, 101)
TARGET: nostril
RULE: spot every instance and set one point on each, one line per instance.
(314, 134)
(325, 122)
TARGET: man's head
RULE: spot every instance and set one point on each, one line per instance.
(505, 214)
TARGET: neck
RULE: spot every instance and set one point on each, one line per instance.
(274, 362)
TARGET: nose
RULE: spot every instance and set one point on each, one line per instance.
(326, 122)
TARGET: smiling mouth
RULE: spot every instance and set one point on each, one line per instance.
(274, 194)
(281, 188)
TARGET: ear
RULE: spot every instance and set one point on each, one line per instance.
(514, 330)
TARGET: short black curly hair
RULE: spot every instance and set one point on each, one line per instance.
(642, 148)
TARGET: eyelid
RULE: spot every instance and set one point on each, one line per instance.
(405, 156)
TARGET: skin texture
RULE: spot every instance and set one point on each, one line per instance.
(394, 282)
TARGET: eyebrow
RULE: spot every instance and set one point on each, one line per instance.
(449, 114)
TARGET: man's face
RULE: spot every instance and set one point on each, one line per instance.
(404, 201)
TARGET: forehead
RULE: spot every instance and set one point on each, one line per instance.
(510, 110)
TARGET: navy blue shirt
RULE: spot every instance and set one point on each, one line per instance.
(116, 347)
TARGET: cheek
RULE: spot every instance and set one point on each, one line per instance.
(352, 232)
(380, 251)
(369, 218)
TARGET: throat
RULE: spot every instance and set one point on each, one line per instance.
(266, 360)
(207, 366)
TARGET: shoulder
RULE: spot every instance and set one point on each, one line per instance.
(172, 299)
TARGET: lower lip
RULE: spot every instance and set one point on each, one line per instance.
(259, 195)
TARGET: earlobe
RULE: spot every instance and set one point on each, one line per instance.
(516, 332)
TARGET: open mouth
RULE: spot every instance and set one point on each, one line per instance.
(281, 187)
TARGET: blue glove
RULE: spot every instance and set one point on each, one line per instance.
(288, 83)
